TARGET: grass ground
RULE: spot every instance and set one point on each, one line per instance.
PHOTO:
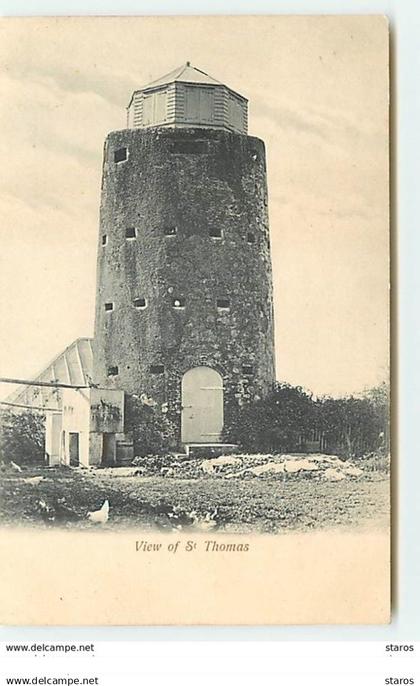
(272, 505)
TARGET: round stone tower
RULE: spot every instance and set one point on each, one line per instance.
(184, 310)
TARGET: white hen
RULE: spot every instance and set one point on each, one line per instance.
(99, 516)
(34, 480)
(208, 522)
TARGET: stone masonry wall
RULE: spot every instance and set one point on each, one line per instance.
(175, 188)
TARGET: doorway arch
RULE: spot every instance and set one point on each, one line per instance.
(202, 406)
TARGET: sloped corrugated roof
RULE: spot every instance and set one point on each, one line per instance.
(72, 366)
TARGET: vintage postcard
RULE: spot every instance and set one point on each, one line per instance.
(194, 367)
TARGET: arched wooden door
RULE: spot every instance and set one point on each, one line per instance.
(202, 406)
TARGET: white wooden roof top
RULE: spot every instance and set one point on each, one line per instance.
(186, 74)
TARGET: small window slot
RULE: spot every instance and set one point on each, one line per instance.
(120, 155)
(140, 303)
(223, 303)
(130, 232)
(215, 232)
(247, 369)
(109, 307)
(250, 238)
(157, 369)
(112, 371)
(178, 303)
(170, 230)
(186, 147)
(104, 239)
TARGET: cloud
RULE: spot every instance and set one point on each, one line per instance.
(289, 119)
(333, 127)
(112, 87)
(53, 153)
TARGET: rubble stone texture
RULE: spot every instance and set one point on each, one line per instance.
(184, 258)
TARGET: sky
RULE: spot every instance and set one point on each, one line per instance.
(318, 97)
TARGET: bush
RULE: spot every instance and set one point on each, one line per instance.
(149, 426)
(22, 437)
(355, 426)
(288, 417)
(274, 424)
(377, 463)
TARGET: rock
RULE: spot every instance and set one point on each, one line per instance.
(340, 463)
(304, 465)
(121, 471)
(334, 474)
(293, 466)
(275, 467)
(318, 457)
(216, 463)
(145, 400)
(353, 471)
(236, 475)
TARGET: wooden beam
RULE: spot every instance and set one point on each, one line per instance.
(51, 384)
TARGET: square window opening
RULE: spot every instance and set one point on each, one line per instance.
(178, 303)
(109, 307)
(130, 232)
(215, 232)
(112, 371)
(223, 303)
(157, 368)
(247, 369)
(120, 155)
(140, 303)
(250, 238)
(170, 230)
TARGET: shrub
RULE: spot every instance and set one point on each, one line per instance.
(283, 421)
(274, 424)
(354, 426)
(22, 436)
(149, 426)
(377, 463)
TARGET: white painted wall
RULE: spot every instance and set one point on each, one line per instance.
(86, 409)
(53, 425)
(76, 419)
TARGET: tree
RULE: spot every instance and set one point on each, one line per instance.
(379, 397)
(277, 423)
(350, 426)
(22, 436)
(353, 426)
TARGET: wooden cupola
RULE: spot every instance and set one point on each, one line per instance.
(188, 98)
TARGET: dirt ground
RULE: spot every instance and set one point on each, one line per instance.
(299, 503)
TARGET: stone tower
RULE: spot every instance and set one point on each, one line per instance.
(184, 310)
